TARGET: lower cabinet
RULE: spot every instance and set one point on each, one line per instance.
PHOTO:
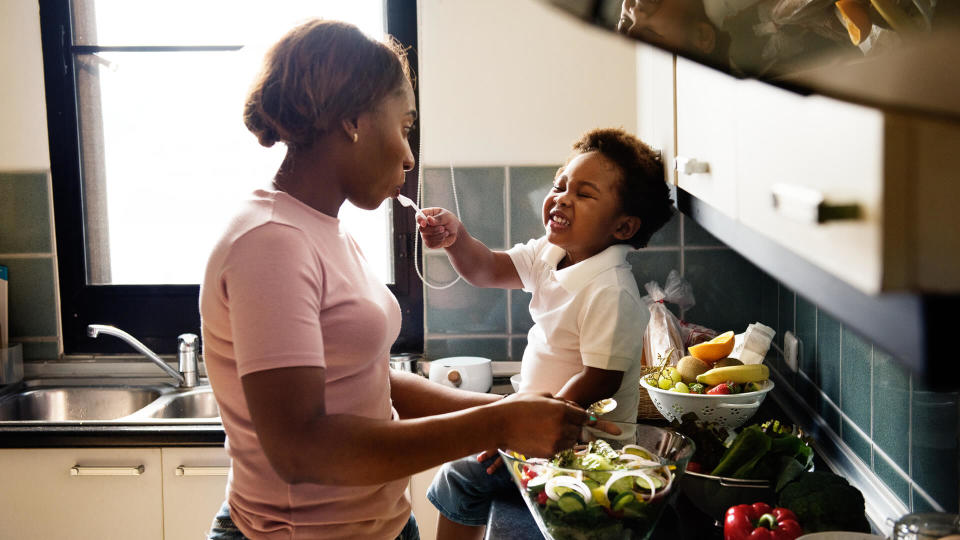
(110, 493)
(423, 509)
(194, 487)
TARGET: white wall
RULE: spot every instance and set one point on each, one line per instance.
(23, 116)
(516, 82)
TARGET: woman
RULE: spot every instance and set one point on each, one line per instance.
(297, 329)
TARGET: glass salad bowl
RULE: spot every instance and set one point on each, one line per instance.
(606, 488)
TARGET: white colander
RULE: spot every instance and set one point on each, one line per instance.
(730, 410)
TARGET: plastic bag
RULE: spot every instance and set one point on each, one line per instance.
(663, 330)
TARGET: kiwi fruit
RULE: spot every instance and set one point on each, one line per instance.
(691, 366)
(724, 362)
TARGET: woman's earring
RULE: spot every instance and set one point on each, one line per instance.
(356, 136)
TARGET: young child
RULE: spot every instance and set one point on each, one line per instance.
(586, 341)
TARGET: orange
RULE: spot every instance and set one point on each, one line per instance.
(715, 349)
(856, 18)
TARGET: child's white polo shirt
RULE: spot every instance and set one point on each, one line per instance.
(587, 314)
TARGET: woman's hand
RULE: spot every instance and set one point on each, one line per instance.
(540, 425)
(439, 228)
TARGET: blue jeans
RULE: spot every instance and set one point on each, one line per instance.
(463, 490)
(223, 527)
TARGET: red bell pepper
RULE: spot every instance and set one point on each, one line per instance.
(758, 521)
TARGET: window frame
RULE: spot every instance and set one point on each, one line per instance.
(157, 314)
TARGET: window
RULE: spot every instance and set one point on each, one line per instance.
(149, 154)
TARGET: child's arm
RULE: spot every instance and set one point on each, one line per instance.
(590, 385)
(478, 264)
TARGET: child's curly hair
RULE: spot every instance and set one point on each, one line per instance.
(643, 190)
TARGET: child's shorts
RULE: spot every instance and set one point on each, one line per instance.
(462, 490)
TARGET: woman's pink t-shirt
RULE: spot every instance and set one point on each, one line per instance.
(286, 287)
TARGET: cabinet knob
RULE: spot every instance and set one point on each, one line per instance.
(808, 205)
(689, 165)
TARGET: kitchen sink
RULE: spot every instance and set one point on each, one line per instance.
(70, 401)
(78, 403)
(193, 404)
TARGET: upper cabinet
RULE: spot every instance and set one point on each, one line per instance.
(865, 195)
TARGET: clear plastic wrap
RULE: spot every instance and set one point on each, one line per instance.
(663, 331)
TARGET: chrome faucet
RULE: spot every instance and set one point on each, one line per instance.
(187, 349)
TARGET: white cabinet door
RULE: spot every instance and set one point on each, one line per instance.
(426, 514)
(81, 493)
(194, 487)
(706, 129)
(796, 147)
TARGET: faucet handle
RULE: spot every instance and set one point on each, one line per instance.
(188, 348)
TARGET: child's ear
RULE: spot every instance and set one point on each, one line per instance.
(627, 227)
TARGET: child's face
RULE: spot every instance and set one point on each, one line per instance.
(582, 212)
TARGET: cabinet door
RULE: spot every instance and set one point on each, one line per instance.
(194, 487)
(706, 126)
(426, 514)
(805, 147)
(81, 493)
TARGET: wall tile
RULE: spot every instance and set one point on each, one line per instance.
(528, 187)
(786, 299)
(695, 235)
(24, 213)
(481, 194)
(520, 312)
(769, 314)
(41, 351)
(492, 348)
(828, 410)
(920, 504)
(33, 307)
(897, 484)
(891, 413)
(806, 330)
(828, 356)
(669, 234)
(461, 308)
(934, 444)
(649, 265)
(856, 442)
(517, 345)
(855, 379)
(724, 284)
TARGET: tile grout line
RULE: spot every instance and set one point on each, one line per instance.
(910, 438)
(840, 379)
(873, 453)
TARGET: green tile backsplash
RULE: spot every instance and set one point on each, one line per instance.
(26, 249)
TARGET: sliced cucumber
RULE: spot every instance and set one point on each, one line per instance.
(623, 500)
(642, 482)
(621, 485)
(571, 502)
(535, 484)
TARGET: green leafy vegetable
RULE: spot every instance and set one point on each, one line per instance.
(824, 501)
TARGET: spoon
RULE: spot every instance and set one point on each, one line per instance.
(602, 407)
(405, 201)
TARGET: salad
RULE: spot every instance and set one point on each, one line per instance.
(596, 492)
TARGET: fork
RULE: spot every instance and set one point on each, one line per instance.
(405, 201)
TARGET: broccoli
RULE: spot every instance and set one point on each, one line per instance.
(824, 501)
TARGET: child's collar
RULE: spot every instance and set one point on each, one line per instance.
(576, 276)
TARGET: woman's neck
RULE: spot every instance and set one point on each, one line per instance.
(310, 177)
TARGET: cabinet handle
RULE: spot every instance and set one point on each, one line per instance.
(78, 470)
(808, 205)
(689, 165)
(184, 470)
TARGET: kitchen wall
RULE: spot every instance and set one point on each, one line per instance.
(26, 235)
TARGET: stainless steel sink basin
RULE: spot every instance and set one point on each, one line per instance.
(194, 404)
(91, 401)
(75, 403)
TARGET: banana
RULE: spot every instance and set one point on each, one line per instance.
(737, 374)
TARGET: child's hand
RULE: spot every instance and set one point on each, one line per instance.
(439, 228)
(487, 454)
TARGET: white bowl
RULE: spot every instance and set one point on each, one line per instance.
(729, 410)
(839, 535)
(515, 382)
